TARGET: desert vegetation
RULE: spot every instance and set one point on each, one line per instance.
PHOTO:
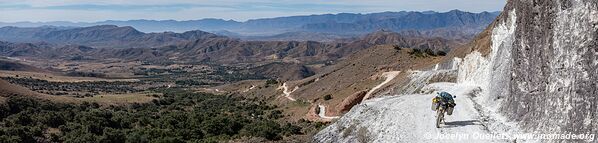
(426, 53)
(177, 116)
(86, 88)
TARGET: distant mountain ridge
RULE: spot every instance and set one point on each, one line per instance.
(455, 19)
(198, 46)
(342, 23)
(101, 36)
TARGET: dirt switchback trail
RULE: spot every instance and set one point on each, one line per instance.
(322, 113)
(389, 76)
(286, 92)
(408, 119)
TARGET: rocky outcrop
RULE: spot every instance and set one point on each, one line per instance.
(419, 79)
(541, 67)
(553, 81)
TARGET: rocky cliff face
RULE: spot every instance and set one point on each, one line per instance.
(551, 83)
(541, 69)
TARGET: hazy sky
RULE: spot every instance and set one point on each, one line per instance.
(99, 10)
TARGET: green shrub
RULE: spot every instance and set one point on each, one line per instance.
(441, 53)
(327, 97)
(429, 52)
(271, 81)
(396, 47)
(266, 129)
(416, 53)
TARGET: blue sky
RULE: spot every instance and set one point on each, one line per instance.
(241, 10)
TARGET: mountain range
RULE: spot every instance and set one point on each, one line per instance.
(99, 42)
(100, 36)
(338, 24)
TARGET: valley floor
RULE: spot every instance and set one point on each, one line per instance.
(409, 118)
